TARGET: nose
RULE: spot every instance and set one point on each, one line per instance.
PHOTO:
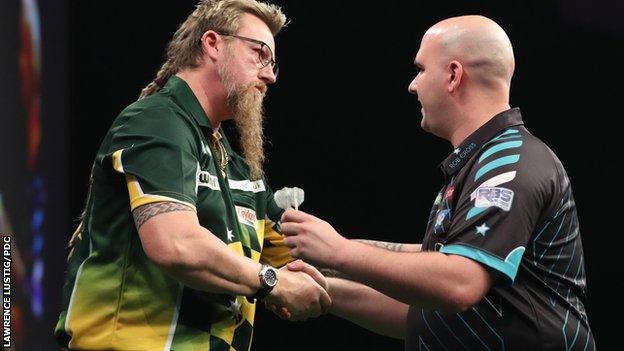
(266, 75)
(412, 87)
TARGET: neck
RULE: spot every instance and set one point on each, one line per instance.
(211, 96)
(473, 119)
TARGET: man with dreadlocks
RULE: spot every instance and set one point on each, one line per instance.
(167, 255)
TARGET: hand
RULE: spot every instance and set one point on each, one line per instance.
(311, 238)
(297, 296)
(281, 312)
(299, 266)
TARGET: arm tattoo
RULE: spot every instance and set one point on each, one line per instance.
(143, 213)
(383, 244)
(398, 247)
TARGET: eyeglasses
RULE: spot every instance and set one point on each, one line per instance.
(265, 55)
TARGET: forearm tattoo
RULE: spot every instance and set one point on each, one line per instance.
(383, 244)
(143, 213)
(398, 247)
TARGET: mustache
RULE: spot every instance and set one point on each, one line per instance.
(260, 85)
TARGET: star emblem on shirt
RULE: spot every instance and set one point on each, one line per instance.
(482, 229)
(235, 309)
(456, 151)
(229, 234)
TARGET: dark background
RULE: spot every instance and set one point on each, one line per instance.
(342, 126)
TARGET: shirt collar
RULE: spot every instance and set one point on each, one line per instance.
(187, 100)
(458, 158)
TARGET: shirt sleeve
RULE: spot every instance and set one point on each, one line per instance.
(154, 150)
(274, 252)
(497, 210)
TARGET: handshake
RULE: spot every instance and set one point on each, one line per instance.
(300, 293)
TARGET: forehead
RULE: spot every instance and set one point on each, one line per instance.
(253, 27)
(427, 43)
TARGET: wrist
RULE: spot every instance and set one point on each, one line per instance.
(267, 277)
(342, 253)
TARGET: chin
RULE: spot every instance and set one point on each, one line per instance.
(424, 124)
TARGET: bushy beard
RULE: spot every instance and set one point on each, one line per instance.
(245, 102)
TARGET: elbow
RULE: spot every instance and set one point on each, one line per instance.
(465, 297)
(166, 254)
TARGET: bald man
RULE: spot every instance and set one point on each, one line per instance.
(501, 264)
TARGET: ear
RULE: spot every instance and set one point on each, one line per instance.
(456, 73)
(211, 44)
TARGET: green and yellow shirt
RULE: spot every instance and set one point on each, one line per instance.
(162, 148)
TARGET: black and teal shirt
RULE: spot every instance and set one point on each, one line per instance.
(507, 204)
(162, 148)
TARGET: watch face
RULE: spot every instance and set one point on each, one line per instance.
(270, 277)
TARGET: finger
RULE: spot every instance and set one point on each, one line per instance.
(311, 311)
(283, 313)
(295, 252)
(271, 307)
(297, 216)
(291, 228)
(296, 265)
(325, 301)
(291, 242)
(310, 270)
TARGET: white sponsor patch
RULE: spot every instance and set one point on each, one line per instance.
(495, 181)
(247, 185)
(500, 197)
(247, 216)
(208, 180)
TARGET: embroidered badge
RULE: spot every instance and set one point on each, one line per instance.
(494, 196)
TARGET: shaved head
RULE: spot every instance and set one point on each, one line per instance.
(479, 43)
(465, 65)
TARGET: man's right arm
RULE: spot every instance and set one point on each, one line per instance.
(398, 247)
(175, 241)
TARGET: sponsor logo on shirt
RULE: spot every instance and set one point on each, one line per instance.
(438, 199)
(255, 186)
(494, 196)
(449, 192)
(246, 216)
(461, 154)
(438, 227)
(208, 180)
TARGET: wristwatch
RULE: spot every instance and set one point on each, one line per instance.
(268, 280)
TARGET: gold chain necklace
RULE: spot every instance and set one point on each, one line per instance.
(222, 157)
